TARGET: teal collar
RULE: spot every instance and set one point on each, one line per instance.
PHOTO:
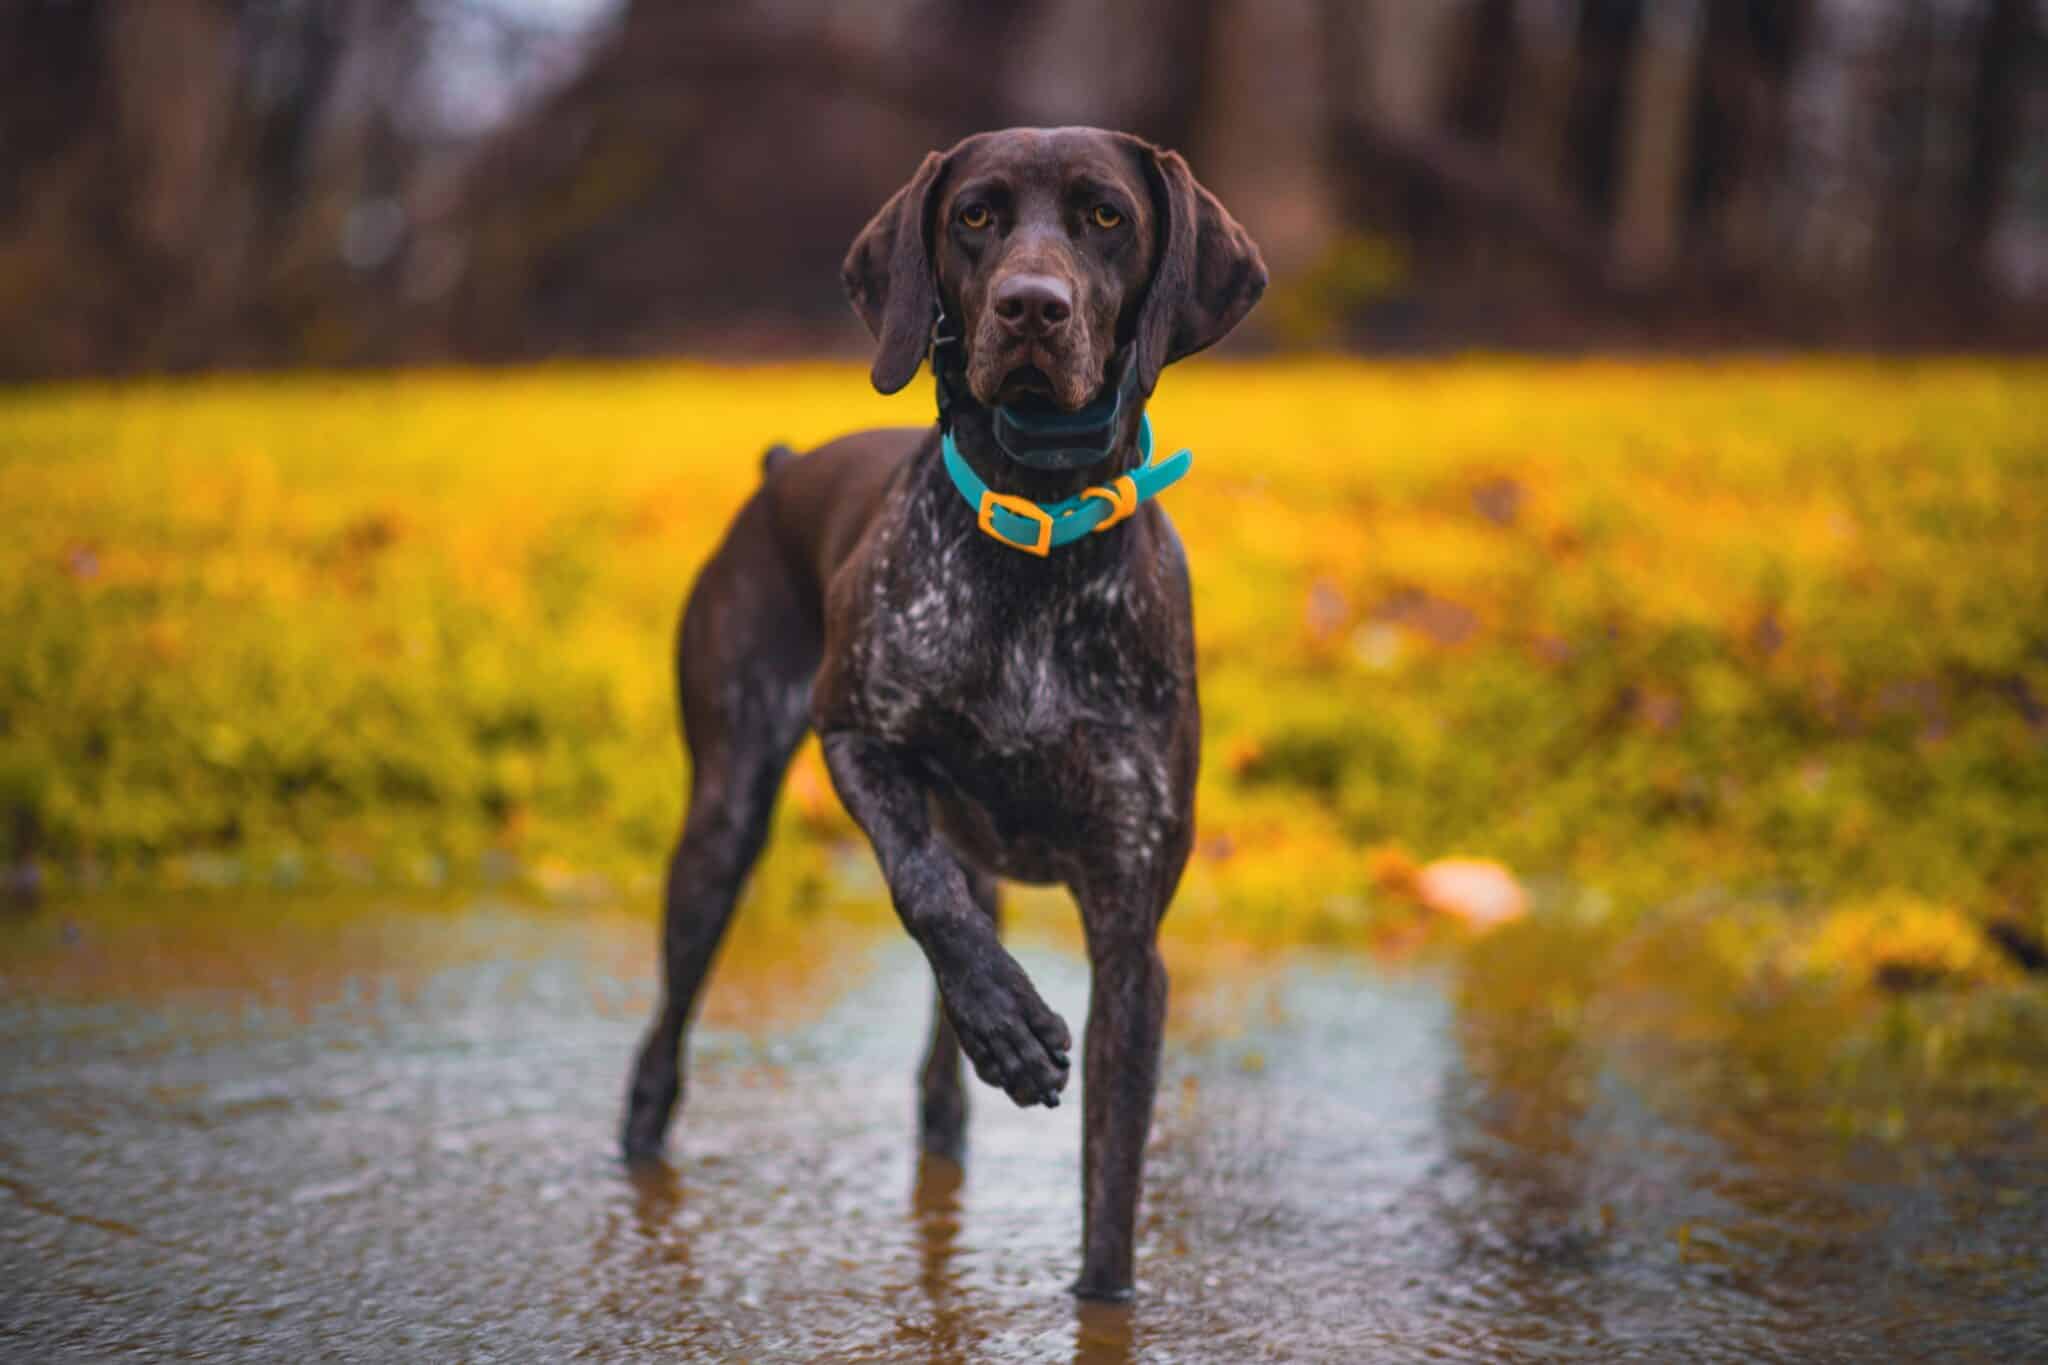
(1039, 527)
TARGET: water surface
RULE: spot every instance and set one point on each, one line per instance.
(258, 1132)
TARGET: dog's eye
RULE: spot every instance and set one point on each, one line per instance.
(1107, 217)
(974, 216)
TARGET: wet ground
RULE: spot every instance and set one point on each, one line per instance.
(378, 1132)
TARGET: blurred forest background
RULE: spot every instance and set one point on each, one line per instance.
(1671, 565)
(188, 184)
(1645, 630)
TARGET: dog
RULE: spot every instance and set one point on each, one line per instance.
(987, 624)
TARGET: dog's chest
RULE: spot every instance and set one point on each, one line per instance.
(1041, 719)
(1018, 673)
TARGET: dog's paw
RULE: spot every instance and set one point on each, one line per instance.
(640, 1138)
(1101, 1289)
(1011, 1037)
(650, 1104)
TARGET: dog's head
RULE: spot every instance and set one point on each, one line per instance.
(1051, 250)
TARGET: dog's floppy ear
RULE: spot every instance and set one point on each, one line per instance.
(1208, 274)
(888, 275)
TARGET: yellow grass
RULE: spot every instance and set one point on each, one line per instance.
(1637, 629)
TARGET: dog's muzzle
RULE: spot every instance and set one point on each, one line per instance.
(1041, 436)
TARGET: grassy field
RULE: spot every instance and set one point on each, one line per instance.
(1775, 632)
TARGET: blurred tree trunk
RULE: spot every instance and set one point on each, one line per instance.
(1140, 66)
(1749, 52)
(1260, 98)
(1608, 33)
(1657, 145)
(1486, 72)
(1409, 53)
(1909, 238)
(2006, 52)
(1540, 108)
(1393, 67)
(52, 83)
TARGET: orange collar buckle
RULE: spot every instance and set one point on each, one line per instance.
(1122, 497)
(1017, 507)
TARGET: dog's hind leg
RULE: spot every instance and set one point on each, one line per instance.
(942, 1100)
(745, 656)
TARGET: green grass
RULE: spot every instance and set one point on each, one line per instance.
(1639, 630)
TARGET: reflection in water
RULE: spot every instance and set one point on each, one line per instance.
(648, 1237)
(1102, 1333)
(1642, 1183)
(392, 1136)
(935, 1209)
(657, 1198)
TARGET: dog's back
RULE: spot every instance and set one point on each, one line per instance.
(822, 502)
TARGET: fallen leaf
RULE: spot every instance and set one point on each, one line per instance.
(1477, 890)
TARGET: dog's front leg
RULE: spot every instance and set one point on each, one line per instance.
(1126, 1020)
(1010, 1035)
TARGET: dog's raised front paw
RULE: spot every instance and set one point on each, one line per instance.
(1011, 1037)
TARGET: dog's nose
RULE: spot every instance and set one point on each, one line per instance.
(1034, 305)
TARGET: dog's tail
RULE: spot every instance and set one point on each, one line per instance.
(775, 457)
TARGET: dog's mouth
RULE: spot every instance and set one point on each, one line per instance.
(1028, 389)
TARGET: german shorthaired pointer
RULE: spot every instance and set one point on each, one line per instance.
(987, 624)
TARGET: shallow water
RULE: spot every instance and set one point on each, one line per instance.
(380, 1132)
